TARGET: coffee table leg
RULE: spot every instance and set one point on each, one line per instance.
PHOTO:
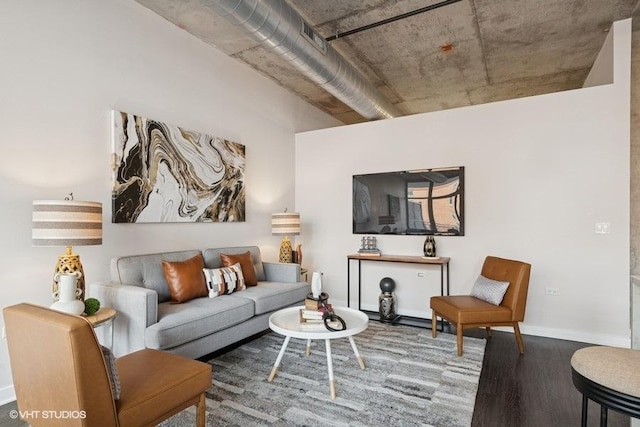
(332, 386)
(355, 351)
(308, 352)
(279, 358)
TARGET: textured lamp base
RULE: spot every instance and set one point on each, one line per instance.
(69, 263)
(285, 250)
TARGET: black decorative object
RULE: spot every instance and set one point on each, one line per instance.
(429, 248)
(387, 300)
(387, 284)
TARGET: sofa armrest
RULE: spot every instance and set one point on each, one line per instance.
(136, 308)
(281, 272)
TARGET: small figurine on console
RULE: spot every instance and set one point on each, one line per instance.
(369, 246)
(429, 247)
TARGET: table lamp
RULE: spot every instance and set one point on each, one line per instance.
(67, 223)
(285, 224)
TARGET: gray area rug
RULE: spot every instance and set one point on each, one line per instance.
(410, 379)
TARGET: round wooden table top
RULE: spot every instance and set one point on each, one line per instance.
(103, 315)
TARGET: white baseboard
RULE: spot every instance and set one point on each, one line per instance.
(565, 334)
(539, 331)
(7, 395)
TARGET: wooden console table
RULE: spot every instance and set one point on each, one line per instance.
(441, 261)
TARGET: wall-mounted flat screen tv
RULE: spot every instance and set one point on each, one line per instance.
(416, 202)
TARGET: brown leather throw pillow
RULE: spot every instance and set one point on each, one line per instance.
(185, 279)
(246, 263)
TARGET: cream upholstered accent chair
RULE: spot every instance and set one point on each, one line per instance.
(467, 311)
(58, 365)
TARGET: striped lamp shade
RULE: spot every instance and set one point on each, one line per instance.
(66, 223)
(285, 223)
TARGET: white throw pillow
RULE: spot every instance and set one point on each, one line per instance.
(491, 291)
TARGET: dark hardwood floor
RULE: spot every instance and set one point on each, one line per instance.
(7, 418)
(514, 391)
(534, 389)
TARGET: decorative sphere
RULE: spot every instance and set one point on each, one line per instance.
(387, 284)
(91, 306)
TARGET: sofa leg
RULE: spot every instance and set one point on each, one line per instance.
(519, 341)
(489, 331)
(459, 338)
(434, 324)
(201, 411)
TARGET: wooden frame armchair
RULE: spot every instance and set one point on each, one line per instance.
(58, 365)
(466, 311)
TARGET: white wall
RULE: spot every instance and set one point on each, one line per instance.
(540, 172)
(601, 72)
(65, 65)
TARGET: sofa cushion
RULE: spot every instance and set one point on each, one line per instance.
(180, 323)
(269, 296)
(185, 279)
(212, 258)
(146, 270)
(246, 263)
(224, 280)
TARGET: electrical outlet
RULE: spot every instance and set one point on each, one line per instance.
(552, 291)
(603, 228)
(420, 274)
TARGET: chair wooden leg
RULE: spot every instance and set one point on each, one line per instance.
(459, 338)
(519, 341)
(201, 411)
(489, 331)
(434, 324)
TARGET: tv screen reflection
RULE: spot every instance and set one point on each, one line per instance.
(414, 202)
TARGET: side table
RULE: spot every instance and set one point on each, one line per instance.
(103, 317)
(286, 322)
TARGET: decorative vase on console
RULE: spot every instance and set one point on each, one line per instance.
(429, 248)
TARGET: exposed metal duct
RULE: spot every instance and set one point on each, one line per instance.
(277, 26)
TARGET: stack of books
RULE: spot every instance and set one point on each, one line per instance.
(311, 319)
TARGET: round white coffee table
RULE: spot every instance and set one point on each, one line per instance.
(287, 322)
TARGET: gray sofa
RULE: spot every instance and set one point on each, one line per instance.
(146, 317)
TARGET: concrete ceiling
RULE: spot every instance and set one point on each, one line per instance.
(499, 49)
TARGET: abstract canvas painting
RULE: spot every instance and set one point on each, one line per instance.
(163, 173)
